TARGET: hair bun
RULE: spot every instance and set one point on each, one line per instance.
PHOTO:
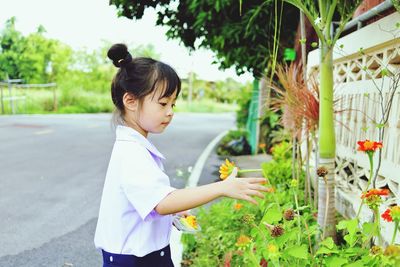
(120, 55)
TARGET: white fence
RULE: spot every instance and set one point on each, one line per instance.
(358, 66)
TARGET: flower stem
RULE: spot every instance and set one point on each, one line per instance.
(377, 223)
(298, 215)
(396, 226)
(249, 170)
(371, 166)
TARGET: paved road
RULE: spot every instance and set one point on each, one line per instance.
(52, 171)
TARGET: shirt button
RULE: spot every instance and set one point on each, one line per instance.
(111, 258)
(162, 253)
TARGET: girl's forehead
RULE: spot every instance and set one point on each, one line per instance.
(160, 91)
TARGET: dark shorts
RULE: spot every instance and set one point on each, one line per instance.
(159, 258)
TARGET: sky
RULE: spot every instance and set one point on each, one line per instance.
(85, 23)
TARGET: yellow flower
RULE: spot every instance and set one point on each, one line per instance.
(243, 240)
(272, 248)
(226, 169)
(238, 206)
(190, 221)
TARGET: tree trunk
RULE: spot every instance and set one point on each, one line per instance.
(326, 188)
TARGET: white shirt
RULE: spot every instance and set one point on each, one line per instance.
(135, 183)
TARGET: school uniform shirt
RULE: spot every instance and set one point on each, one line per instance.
(135, 183)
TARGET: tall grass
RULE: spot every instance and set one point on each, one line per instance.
(41, 101)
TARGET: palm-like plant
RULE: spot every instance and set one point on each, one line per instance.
(321, 14)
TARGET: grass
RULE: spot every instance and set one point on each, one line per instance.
(41, 101)
(204, 105)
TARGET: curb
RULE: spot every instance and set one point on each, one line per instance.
(175, 239)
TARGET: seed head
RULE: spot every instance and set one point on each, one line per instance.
(322, 171)
(375, 250)
(277, 231)
(248, 218)
(288, 214)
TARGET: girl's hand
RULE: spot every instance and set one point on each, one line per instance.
(243, 188)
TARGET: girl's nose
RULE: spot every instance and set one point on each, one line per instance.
(170, 111)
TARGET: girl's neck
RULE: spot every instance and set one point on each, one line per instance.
(136, 127)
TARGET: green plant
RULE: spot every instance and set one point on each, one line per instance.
(234, 144)
(283, 231)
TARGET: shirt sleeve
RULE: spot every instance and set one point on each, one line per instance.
(142, 181)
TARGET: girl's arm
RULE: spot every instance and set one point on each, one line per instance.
(188, 198)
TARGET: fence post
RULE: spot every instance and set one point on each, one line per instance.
(55, 98)
(252, 124)
(2, 101)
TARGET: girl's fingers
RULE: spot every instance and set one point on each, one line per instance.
(249, 199)
(259, 187)
(256, 180)
(255, 193)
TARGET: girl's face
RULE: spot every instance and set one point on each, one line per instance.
(154, 114)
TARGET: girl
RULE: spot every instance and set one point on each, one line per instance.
(137, 204)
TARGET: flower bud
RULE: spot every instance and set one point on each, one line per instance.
(288, 214)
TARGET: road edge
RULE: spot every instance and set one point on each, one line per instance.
(175, 239)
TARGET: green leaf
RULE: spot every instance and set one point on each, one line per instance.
(335, 261)
(384, 72)
(368, 228)
(342, 225)
(358, 263)
(302, 41)
(314, 44)
(273, 215)
(300, 252)
(350, 239)
(380, 125)
(325, 250)
(328, 243)
(350, 225)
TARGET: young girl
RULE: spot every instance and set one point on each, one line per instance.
(137, 204)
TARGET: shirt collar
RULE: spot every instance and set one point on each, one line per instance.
(124, 133)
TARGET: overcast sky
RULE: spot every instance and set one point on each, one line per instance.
(84, 23)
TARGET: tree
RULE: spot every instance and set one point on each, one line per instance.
(29, 58)
(321, 15)
(11, 48)
(240, 33)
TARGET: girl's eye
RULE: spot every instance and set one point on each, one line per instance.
(163, 104)
(173, 105)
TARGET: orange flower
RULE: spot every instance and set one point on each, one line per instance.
(262, 146)
(238, 206)
(369, 146)
(226, 169)
(243, 240)
(271, 190)
(386, 216)
(375, 192)
(392, 214)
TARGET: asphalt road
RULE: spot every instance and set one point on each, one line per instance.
(52, 169)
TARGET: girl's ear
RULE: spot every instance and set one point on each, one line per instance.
(130, 102)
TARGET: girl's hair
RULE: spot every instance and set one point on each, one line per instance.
(140, 77)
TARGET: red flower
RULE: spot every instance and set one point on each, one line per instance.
(369, 146)
(375, 192)
(386, 216)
